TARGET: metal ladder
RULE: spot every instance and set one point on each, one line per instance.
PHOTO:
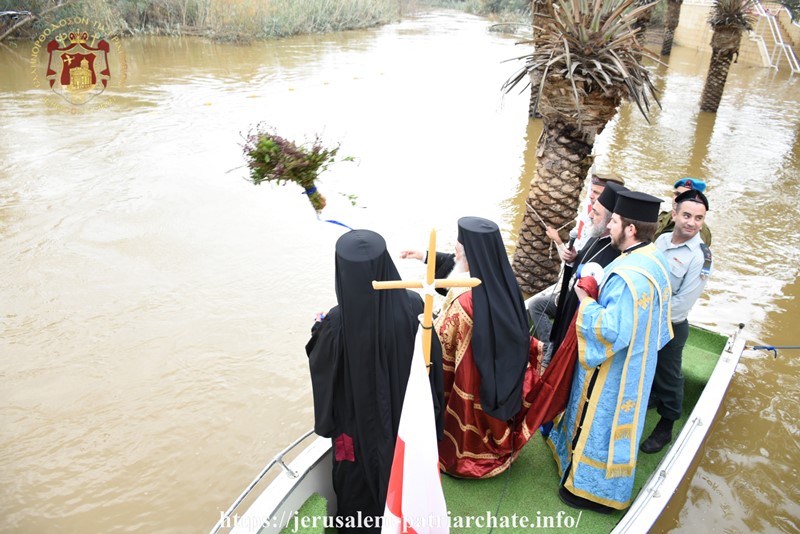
(768, 21)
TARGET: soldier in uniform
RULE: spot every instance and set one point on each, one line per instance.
(665, 223)
(690, 266)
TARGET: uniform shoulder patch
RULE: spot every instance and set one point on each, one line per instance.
(705, 272)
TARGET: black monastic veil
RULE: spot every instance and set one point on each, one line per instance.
(360, 358)
(500, 341)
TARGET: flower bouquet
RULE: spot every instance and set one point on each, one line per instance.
(272, 158)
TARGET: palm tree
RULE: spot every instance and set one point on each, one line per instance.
(670, 23)
(538, 13)
(729, 18)
(793, 6)
(585, 60)
(644, 19)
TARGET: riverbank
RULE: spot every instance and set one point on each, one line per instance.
(249, 20)
(237, 20)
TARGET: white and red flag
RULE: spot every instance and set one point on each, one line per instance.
(415, 501)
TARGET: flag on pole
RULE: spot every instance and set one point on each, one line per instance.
(415, 501)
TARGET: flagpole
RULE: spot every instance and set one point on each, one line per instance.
(427, 316)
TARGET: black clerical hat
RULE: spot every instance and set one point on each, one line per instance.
(637, 206)
(608, 198)
(692, 195)
(360, 245)
(361, 257)
(477, 225)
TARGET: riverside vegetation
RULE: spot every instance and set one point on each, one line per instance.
(228, 20)
(237, 20)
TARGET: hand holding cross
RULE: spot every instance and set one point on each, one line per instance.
(428, 288)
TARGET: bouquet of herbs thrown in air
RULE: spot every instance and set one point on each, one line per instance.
(272, 158)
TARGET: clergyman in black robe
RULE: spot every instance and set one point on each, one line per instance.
(597, 250)
(360, 358)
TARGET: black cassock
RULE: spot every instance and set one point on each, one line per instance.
(596, 250)
(360, 358)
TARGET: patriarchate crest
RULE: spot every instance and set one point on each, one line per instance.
(76, 70)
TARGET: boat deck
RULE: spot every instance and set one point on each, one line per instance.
(529, 488)
(531, 484)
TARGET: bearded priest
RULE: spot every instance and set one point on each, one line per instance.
(495, 396)
(596, 441)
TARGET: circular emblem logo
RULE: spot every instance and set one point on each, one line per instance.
(80, 61)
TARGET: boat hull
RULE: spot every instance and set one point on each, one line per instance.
(310, 473)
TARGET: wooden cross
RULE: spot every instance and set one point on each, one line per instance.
(429, 285)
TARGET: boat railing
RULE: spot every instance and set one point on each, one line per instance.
(768, 20)
(672, 469)
(277, 460)
(694, 424)
(733, 338)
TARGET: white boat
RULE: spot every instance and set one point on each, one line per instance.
(710, 362)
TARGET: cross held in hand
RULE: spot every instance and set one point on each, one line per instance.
(428, 287)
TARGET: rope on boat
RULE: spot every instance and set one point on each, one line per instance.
(773, 348)
(545, 225)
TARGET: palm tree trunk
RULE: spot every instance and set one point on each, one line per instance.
(564, 159)
(670, 23)
(536, 78)
(539, 10)
(725, 46)
(516, 204)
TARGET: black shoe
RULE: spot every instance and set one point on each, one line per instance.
(545, 429)
(662, 434)
(580, 503)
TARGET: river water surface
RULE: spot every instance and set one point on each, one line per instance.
(154, 305)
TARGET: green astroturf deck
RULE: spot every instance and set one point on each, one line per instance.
(530, 488)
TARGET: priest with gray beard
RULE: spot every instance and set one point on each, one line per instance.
(597, 250)
(495, 394)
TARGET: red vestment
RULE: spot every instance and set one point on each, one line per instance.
(476, 445)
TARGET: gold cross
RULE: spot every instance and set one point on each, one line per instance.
(645, 300)
(628, 406)
(429, 285)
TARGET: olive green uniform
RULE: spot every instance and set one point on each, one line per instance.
(665, 225)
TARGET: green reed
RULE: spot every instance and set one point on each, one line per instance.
(220, 19)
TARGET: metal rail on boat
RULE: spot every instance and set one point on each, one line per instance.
(310, 470)
(278, 459)
(658, 490)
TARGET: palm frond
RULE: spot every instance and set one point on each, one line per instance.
(793, 6)
(736, 13)
(593, 45)
(570, 69)
(541, 86)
